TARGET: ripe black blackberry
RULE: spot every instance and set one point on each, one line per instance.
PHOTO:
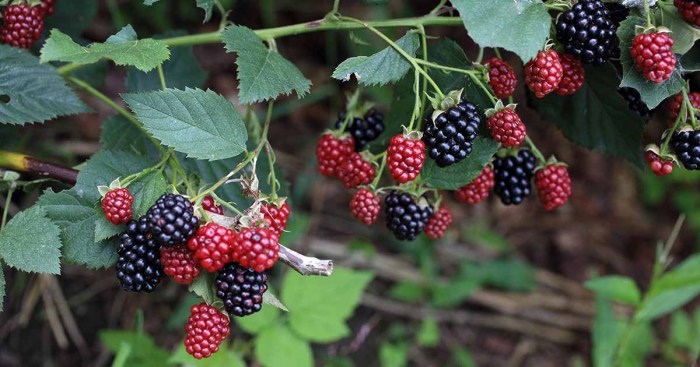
(686, 145)
(587, 32)
(138, 266)
(241, 289)
(363, 130)
(634, 100)
(404, 217)
(512, 176)
(618, 13)
(172, 220)
(449, 138)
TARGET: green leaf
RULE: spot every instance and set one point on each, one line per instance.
(393, 355)
(449, 53)
(76, 217)
(681, 330)
(72, 17)
(124, 48)
(105, 166)
(685, 274)
(518, 26)
(201, 124)
(455, 292)
(408, 292)
(207, 6)
(673, 290)
(606, 334)
(616, 288)
(463, 357)
(684, 34)
(211, 171)
(30, 242)
(225, 357)
(651, 93)
(690, 62)
(118, 133)
(277, 346)
(263, 74)
(104, 229)
(259, 321)
(384, 67)
(180, 71)
(2, 288)
(429, 333)
(149, 189)
(203, 286)
(641, 345)
(597, 117)
(319, 306)
(144, 351)
(462, 173)
(36, 92)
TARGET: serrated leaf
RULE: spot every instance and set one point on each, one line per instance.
(263, 74)
(258, 321)
(318, 306)
(277, 346)
(104, 229)
(105, 166)
(201, 124)
(76, 218)
(147, 190)
(384, 67)
(207, 6)
(181, 70)
(616, 288)
(597, 117)
(118, 133)
(30, 242)
(123, 48)
(651, 93)
(518, 26)
(2, 288)
(36, 92)
(463, 172)
(684, 34)
(270, 299)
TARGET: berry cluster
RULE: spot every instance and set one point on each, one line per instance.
(168, 240)
(23, 24)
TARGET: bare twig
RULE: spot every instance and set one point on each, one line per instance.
(304, 265)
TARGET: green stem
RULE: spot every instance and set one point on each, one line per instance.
(226, 204)
(647, 13)
(689, 108)
(664, 147)
(534, 150)
(380, 171)
(438, 7)
(161, 76)
(296, 29)
(127, 180)
(121, 110)
(424, 94)
(336, 7)
(6, 209)
(480, 56)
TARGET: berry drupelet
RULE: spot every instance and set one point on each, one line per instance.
(172, 220)
(587, 32)
(138, 265)
(405, 218)
(450, 135)
(240, 289)
(512, 177)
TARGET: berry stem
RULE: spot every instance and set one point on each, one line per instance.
(472, 74)
(24, 163)
(161, 76)
(676, 124)
(296, 29)
(689, 108)
(535, 151)
(424, 94)
(128, 179)
(121, 110)
(380, 171)
(437, 8)
(647, 13)
(226, 204)
(6, 209)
